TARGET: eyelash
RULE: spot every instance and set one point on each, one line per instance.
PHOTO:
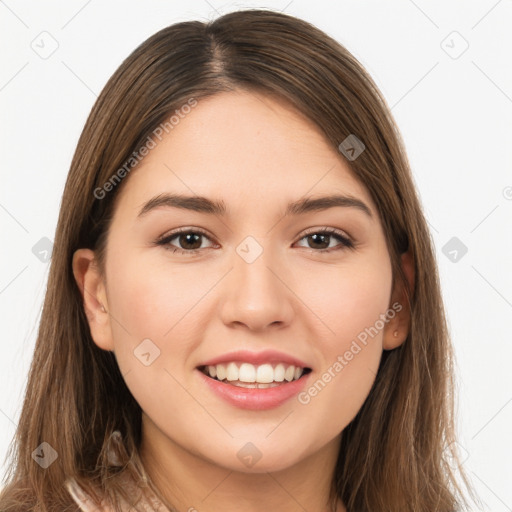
(346, 243)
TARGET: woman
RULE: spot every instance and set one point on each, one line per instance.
(296, 355)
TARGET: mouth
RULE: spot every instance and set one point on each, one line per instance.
(247, 375)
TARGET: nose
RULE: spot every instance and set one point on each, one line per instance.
(256, 294)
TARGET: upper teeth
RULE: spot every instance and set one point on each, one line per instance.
(246, 372)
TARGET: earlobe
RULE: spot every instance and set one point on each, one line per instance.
(397, 328)
(92, 288)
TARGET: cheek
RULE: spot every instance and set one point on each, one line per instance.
(352, 308)
(346, 299)
(153, 328)
(152, 301)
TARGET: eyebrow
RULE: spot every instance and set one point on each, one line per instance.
(204, 205)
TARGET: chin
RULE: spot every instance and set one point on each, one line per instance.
(251, 459)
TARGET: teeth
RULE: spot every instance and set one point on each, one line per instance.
(289, 373)
(221, 371)
(265, 375)
(232, 372)
(279, 373)
(247, 373)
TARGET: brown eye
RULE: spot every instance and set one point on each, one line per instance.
(188, 241)
(320, 240)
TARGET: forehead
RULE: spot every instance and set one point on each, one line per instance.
(246, 149)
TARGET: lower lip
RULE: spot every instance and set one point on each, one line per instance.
(255, 398)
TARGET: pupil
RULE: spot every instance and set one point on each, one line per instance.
(315, 237)
(187, 237)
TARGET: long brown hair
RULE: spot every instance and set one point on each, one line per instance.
(398, 452)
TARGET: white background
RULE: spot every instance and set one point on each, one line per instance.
(454, 111)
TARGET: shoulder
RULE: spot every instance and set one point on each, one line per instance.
(81, 498)
(148, 501)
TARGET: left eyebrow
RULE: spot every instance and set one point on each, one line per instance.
(309, 204)
(204, 205)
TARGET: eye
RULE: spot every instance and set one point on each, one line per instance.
(188, 239)
(322, 238)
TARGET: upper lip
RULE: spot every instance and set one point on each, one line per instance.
(256, 358)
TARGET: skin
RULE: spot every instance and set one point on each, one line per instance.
(292, 298)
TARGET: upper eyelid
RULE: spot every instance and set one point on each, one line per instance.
(336, 231)
(179, 231)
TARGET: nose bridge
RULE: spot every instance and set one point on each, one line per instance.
(255, 295)
(252, 270)
(253, 264)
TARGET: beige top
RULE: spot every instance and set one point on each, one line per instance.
(148, 503)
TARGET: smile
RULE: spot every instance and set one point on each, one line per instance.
(248, 375)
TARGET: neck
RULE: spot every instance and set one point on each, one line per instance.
(188, 483)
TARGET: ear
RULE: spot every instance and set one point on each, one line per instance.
(92, 287)
(397, 328)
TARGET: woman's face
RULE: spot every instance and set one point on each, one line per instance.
(247, 283)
